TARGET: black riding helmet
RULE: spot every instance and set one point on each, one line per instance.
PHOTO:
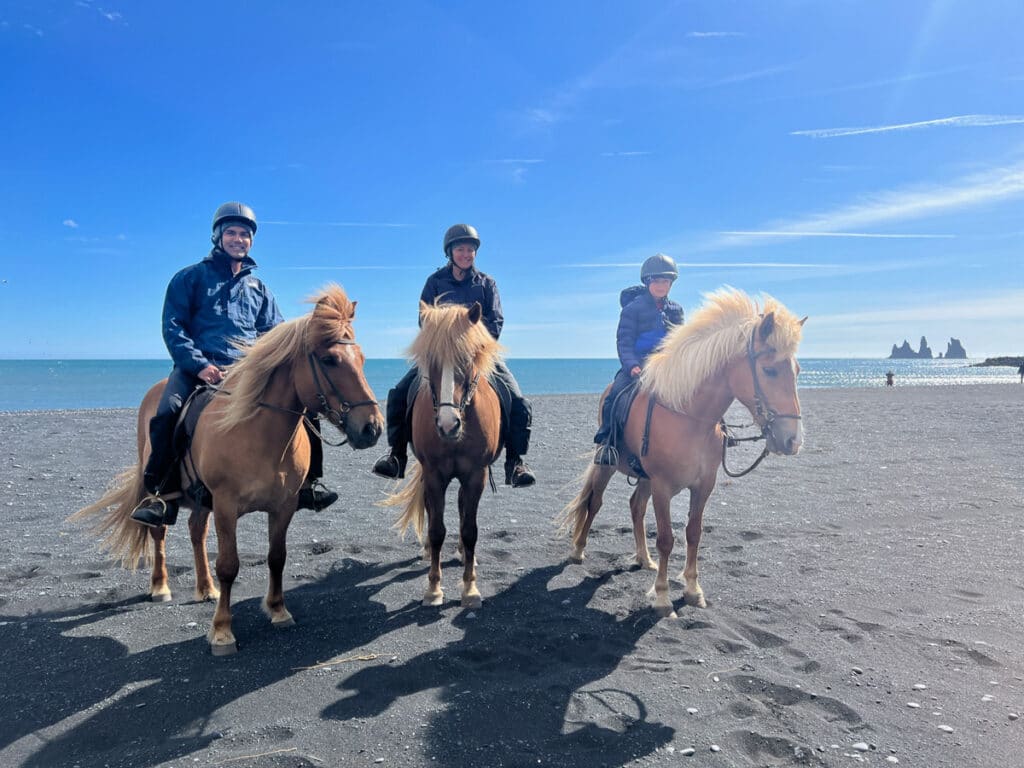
(658, 265)
(232, 213)
(458, 233)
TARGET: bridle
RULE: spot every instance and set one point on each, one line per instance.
(464, 401)
(764, 414)
(337, 416)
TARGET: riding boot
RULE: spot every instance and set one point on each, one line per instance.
(393, 464)
(517, 473)
(156, 511)
(314, 494)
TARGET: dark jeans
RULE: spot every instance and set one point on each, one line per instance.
(520, 419)
(619, 383)
(160, 475)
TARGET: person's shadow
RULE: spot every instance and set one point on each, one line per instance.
(115, 708)
(522, 686)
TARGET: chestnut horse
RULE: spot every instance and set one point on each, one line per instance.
(456, 435)
(251, 451)
(730, 350)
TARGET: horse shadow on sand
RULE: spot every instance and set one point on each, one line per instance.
(523, 685)
(84, 699)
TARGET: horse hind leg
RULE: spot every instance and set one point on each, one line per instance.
(159, 589)
(198, 529)
(637, 511)
(582, 510)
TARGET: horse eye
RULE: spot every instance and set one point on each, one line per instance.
(771, 373)
(328, 360)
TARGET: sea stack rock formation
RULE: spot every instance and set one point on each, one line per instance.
(955, 350)
(904, 352)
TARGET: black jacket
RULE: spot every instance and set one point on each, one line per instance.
(476, 286)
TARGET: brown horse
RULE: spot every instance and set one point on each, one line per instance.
(251, 450)
(456, 434)
(730, 350)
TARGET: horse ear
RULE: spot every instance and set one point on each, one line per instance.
(804, 320)
(475, 312)
(423, 309)
(767, 326)
(353, 315)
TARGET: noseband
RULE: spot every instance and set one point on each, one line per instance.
(467, 397)
(338, 417)
(763, 413)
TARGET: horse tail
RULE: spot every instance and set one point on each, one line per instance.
(123, 538)
(411, 497)
(573, 516)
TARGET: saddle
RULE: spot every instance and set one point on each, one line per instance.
(196, 491)
(621, 406)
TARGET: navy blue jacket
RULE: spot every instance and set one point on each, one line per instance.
(476, 286)
(641, 326)
(207, 308)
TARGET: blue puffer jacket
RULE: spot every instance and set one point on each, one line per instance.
(206, 308)
(641, 326)
(476, 286)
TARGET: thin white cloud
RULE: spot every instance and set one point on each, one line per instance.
(743, 77)
(633, 153)
(70, 223)
(519, 161)
(918, 202)
(789, 233)
(366, 224)
(34, 30)
(715, 34)
(1001, 306)
(957, 121)
(899, 80)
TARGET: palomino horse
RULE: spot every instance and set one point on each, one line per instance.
(251, 450)
(729, 350)
(456, 434)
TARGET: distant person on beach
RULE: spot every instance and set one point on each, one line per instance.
(647, 315)
(1020, 370)
(889, 376)
(209, 308)
(460, 282)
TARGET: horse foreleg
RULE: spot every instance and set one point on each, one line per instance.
(666, 539)
(198, 528)
(159, 590)
(277, 554)
(589, 502)
(692, 592)
(221, 638)
(469, 502)
(637, 510)
(434, 502)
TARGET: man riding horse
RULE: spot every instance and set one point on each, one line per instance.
(460, 282)
(209, 308)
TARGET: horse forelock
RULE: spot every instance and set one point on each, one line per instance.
(447, 338)
(716, 333)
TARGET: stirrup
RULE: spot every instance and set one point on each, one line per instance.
(316, 497)
(518, 474)
(606, 455)
(390, 466)
(155, 512)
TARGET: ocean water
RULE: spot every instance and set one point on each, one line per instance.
(28, 385)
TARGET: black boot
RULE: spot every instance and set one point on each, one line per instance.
(392, 465)
(517, 473)
(155, 511)
(316, 496)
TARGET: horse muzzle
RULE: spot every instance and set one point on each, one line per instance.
(784, 437)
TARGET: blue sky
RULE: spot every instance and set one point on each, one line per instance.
(863, 162)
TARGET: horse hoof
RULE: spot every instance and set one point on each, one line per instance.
(284, 623)
(577, 556)
(430, 601)
(160, 597)
(207, 597)
(696, 600)
(472, 603)
(224, 649)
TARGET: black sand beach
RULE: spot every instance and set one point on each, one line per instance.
(866, 605)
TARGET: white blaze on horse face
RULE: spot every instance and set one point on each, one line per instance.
(447, 414)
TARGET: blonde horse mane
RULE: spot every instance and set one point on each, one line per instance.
(447, 337)
(719, 331)
(288, 343)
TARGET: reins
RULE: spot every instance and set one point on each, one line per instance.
(338, 417)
